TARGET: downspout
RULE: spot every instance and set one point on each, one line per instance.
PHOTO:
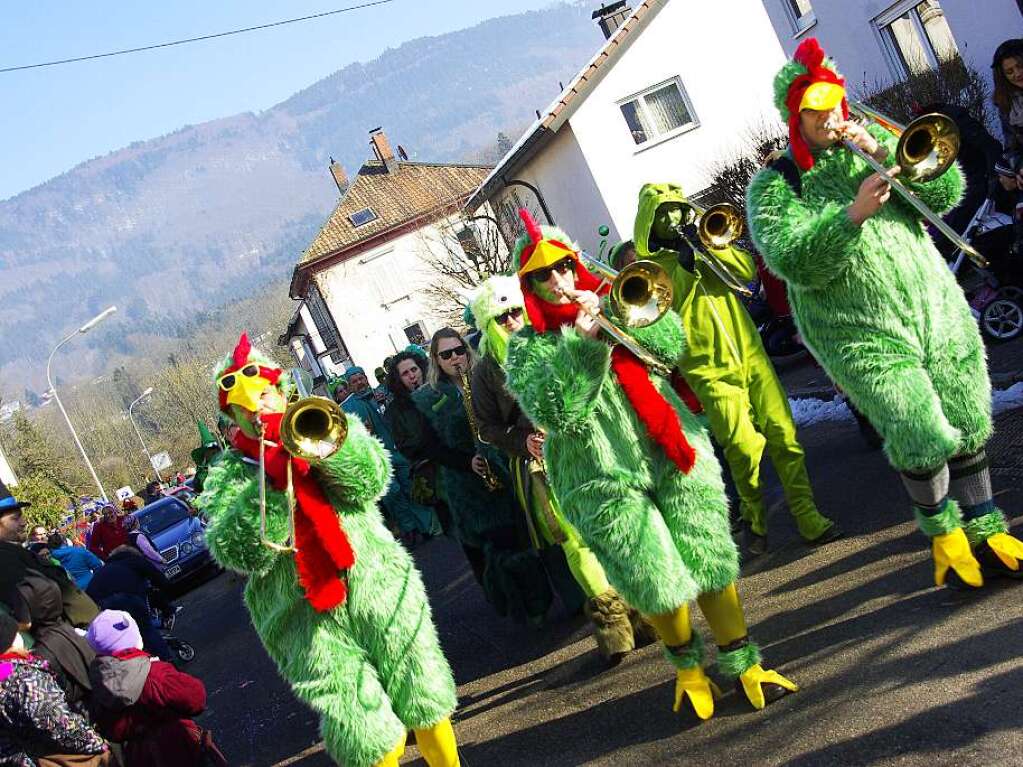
(536, 193)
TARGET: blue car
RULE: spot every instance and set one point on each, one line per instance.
(178, 535)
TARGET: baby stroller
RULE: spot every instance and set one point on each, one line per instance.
(995, 293)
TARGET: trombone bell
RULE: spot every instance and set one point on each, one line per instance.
(720, 225)
(313, 428)
(927, 147)
(641, 294)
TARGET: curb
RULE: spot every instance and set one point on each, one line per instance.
(998, 381)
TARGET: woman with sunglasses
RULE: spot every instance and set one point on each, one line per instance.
(486, 523)
(498, 309)
(633, 469)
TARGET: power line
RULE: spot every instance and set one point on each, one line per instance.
(195, 39)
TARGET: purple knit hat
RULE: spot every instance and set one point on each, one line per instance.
(112, 631)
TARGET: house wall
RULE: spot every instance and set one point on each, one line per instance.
(374, 295)
(725, 52)
(846, 31)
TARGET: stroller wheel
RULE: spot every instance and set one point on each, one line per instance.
(1002, 319)
(182, 649)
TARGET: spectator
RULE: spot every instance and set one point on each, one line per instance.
(37, 727)
(38, 534)
(1007, 71)
(339, 389)
(153, 492)
(77, 561)
(108, 533)
(37, 604)
(125, 583)
(15, 561)
(138, 538)
(144, 703)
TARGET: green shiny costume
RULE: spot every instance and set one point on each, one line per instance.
(727, 367)
(372, 667)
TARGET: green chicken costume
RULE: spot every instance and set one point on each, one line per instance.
(634, 473)
(725, 362)
(345, 618)
(881, 311)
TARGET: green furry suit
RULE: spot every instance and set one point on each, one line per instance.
(661, 535)
(878, 305)
(372, 667)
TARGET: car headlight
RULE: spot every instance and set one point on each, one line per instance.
(185, 547)
(198, 541)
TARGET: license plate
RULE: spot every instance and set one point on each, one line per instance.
(170, 572)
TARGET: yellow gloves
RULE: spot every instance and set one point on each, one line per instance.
(953, 550)
(437, 745)
(755, 676)
(1007, 549)
(693, 682)
(391, 760)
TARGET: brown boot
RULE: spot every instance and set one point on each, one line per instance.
(611, 626)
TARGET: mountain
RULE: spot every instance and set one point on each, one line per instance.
(181, 224)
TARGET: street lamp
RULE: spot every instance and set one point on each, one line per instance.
(84, 329)
(131, 418)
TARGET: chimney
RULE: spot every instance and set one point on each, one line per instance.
(382, 149)
(610, 17)
(337, 170)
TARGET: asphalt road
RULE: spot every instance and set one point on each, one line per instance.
(893, 671)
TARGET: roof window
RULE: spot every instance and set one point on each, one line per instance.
(364, 216)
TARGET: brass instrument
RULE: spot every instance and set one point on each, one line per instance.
(717, 227)
(313, 429)
(641, 294)
(927, 148)
(490, 479)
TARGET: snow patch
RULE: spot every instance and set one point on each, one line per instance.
(808, 412)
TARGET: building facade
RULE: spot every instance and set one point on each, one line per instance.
(678, 86)
(364, 280)
(877, 42)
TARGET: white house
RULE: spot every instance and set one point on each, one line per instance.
(881, 41)
(363, 275)
(675, 87)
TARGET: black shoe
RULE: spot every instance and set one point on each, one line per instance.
(833, 533)
(753, 544)
(772, 692)
(991, 565)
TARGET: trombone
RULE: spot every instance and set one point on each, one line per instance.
(927, 148)
(717, 227)
(641, 294)
(312, 429)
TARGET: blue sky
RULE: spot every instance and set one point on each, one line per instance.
(56, 117)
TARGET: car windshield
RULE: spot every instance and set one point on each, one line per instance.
(161, 516)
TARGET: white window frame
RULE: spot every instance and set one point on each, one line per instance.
(693, 124)
(889, 47)
(800, 24)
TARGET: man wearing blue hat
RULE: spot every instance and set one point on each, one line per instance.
(16, 560)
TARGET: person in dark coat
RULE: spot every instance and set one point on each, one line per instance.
(36, 603)
(16, 561)
(125, 583)
(144, 703)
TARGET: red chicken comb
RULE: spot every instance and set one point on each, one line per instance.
(241, 351)
(532, 228)
(809, 53)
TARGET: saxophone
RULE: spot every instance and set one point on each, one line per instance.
(490, 480)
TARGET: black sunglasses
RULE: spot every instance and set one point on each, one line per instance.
(227, 382)
(563, 266)
(449, 353)
(503, 317)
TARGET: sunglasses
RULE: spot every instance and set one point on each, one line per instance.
(564, 266)
(503, 317)
(228, 382)
(447, 354)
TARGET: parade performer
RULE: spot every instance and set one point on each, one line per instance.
(346, 618)
(498, 310)
(879, 308)
(632, 468)
(726, 365)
